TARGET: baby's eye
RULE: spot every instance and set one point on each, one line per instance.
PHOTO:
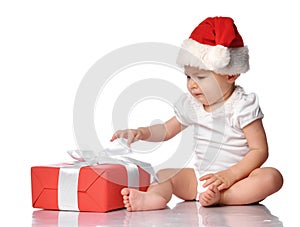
(188, 77)
(200, 77)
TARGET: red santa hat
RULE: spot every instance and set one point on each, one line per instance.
(216, 45)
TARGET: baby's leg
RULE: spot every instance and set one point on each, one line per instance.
(261, 183)
(182, 183)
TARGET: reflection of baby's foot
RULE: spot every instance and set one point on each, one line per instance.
(210, 197)
(135, 200)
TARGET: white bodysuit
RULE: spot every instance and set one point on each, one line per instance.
(218, 135)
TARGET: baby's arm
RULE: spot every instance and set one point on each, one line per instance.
(153, 133)
(258, 150)
(257, 155)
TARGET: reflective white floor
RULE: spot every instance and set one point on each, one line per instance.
(182, 214)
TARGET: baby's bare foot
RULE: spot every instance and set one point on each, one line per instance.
(135, 200)
(210, 197)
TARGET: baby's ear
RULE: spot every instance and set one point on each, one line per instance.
(231, 78)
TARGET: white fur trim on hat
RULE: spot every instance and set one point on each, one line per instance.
(220, 59)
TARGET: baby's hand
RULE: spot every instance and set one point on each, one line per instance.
(223, 179)
(132, 135)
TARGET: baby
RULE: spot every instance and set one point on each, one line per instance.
(230, 140)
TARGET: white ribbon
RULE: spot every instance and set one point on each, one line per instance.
(68, 175)
(132, 175)
(68, 219)
(91, 158)
(68, 186)
(67, 193)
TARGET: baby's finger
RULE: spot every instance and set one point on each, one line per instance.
(114, 137)
(137, 137)
(117, 134)
(206, 177)
(218, 182)
(209, 181)
(130, 138)
(222, 187)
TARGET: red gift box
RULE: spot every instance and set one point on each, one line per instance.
(99, 186)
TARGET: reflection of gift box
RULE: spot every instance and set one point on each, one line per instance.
(98, 186)
(47, 218)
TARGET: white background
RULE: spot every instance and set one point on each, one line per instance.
(46, 47)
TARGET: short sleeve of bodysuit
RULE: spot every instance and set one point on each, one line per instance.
(247, 110)
(184, 109)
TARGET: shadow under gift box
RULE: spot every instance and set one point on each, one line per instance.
(99, 186)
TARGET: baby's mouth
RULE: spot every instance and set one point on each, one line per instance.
(198, 94)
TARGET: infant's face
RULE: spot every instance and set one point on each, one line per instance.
(206, 86)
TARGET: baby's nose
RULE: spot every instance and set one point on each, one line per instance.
(192, 83)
